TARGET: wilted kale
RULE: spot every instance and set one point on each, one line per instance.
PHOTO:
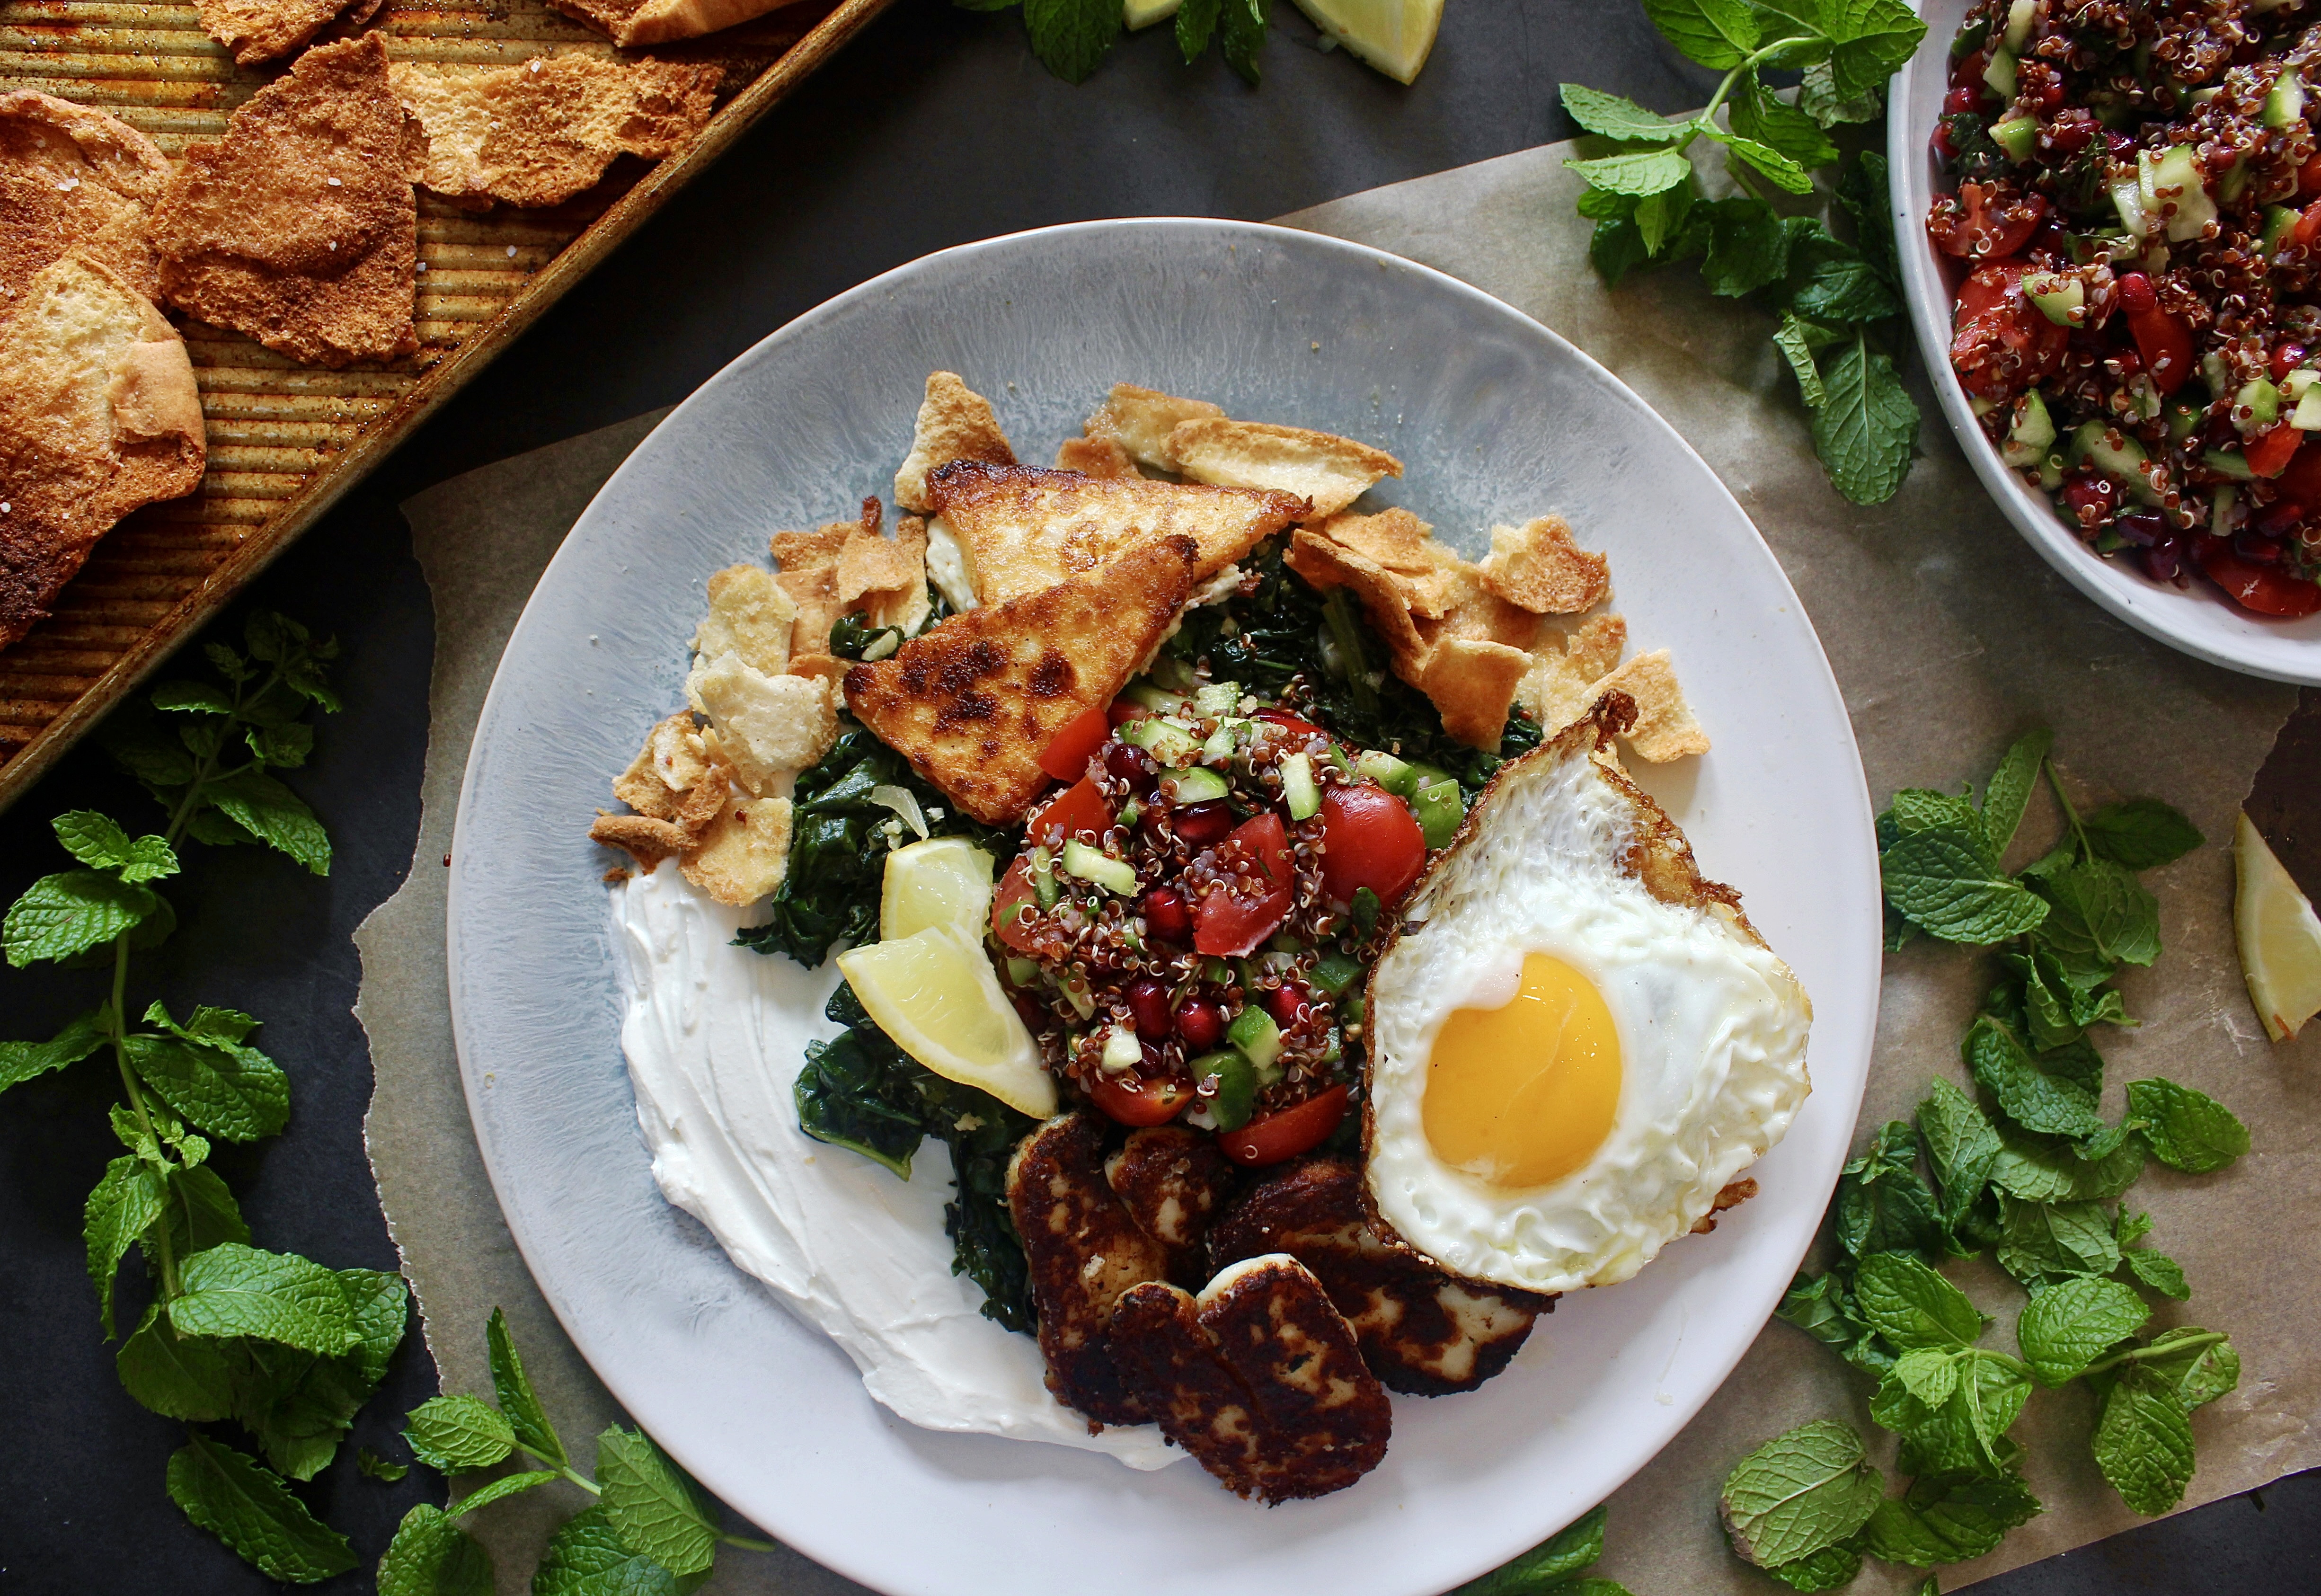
(839, 843)
(1284, 628)
(860, 1090)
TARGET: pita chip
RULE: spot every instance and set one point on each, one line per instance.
(955, 423)
(1471, 683)
(1140, 420)
(75, 181)
(808, 573)
(1538, 567)
(1329, 470)
(743, 852)
(1095, 457)
(1664, 727)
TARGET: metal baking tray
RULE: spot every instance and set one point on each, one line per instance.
(285, 441)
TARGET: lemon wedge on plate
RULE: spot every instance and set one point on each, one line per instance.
(1392, 35)
(2280, 936)
(934, 993)
(942, 881)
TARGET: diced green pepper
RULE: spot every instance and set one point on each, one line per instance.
(1334, 972)
(2016, 134)
(1392, 774)
(1440, 809)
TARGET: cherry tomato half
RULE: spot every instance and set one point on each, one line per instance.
(2160, 337)
(1068, 753)
(1286, 1134)
(1228, 923)
(1131, 1100)
(1014, 889)
(2265, 588)
(1289, 722)
(2001, 344)
(2308, 230)
(1373, 841)
(2269, 452)
(1078, 807)
(1984, 221)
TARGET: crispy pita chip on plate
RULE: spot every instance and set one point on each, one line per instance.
(1141, 421)
(955, 423)
(973, 702)
(743, 851)
(1664, 728)
(807, 564)
(751, 615)
(1024, 528)
(1403, 546)
(1538, 567)
(885, 578)
(671, 764)
(1095, 457)
(1560, 686)
(768, 726)
(1471, 683)
(1329, 470)
(1326, 564)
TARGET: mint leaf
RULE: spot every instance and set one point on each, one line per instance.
(1197, 22)
(21, 1061)
(2157, 1270)
(501, 1489)
(1962, 1147)
(1758, 116)
(285, 746)
(2197, 1369)
(1784, 173)
(2186, 1129)
(1966, 1434)
(2042, 1168)
(1929, 1373)
(1747, 245)
(1244, 27)
(296, 1405)
(2120, 918)
(1829, 1569)
(2044, 1241)
(374, 1467)
(1635, 171)
(1547, 1566)
(1939, 879)
(1614, 248)
(1798, 1494)
(2142, 833)
(1861, 191)
(527, 1420)
(191, 698)
(654, 1508)
(1912, 1306)
(124, 1205)
(97, 841)
(1818, 1305)
(202, 1212)
(1613, 117)
(1949, 1519)
(238, 1291)
(2067, 1326)
(279, 818)
(1832, 281)
(2055, 1101)
(1717, 33)
(1661, 217)
(380, 1307)
(178, 1376)
(229, 1091)
(71, 912)
(1073, 37)
(1915, 810)
(432, 1557)
(1864, 433)
(587, 1558)
(2144, 1441)
(1866, 39)
(144, 751)
(456, 1434)
(1818, 98)
(1795, 339)
(247, 1507)
(1881, 1204)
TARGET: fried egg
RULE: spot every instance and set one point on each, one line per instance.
(1575, 1041)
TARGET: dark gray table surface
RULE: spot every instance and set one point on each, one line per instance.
(934, 128)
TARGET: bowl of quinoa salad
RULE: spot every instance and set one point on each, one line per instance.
(2110, 214)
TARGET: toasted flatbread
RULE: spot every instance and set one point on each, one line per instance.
(98, 414)
(298, 227)
(1094, 456)
(1140, 420)
(1024, 528)
(743, 852)
(1425, 574)
(74, 180)
(751, 616)
(954, 422)
(1331, 471)
(973, 702)
(258, 31)
(1539, 567)
(769, 726)
(540, 133)
(631, 24)
(1664, 727)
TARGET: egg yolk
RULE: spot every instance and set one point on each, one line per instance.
(1524, 1094)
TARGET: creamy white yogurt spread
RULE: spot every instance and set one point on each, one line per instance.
(715, 1036)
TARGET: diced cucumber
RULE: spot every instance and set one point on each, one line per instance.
(1254, 1033)
(1351, 1010)
(2220, 511)
(2051, 472)
(2260, 399)
(2229, 463)
(2000, 73)
(1297, 787)
(2229, 186)
(1218, 698)
(1076, 994)
(2307, 416)
(2216, 373)
(1121, 1052)
(1286, 945)
(2169, 183)
(2020, 16)
(2033, 428)
(1094, 866)
(1229, 1084)
(1163, 739)
(1131, 813)
(2062, 300)
(1218, 973)
(2284, 104)
(2183, 421)
(1334, 972)
(2127, 199)
(1220, 745)
(2016, 135)
(1440, 809)
(1160, 700)
(2279, 222)
(1022, 971)
(1044, 878)
(1196, 786)
(2124, 457)
(2298, 382)
(1981, 406)
(1970, 38)
(1392, 774)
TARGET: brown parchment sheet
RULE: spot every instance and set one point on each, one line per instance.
(1948, 637)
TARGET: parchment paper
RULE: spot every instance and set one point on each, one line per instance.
(1948, 635)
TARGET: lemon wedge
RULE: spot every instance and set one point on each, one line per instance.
(1392, 35)
(934, 993)
(942, 881)
(2280, 936)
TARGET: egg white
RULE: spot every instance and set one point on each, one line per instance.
(1712, 1030)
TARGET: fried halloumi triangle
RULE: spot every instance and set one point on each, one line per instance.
(972, 703)
(1024, 528)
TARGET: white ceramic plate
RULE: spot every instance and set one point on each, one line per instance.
(2198, 620)
(1498, 419)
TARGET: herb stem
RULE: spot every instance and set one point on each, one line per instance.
(159, 1233)
(2079, 831)
(2137, 1354)
(1708, 113)
(565, 1468)
(745, 1543)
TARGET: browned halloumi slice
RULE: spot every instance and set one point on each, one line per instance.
(1171, 1181)
(1258, 1377)
(1422, 1330)
(972, 702)
(1025, 528)
(1329, 470)
(1082, 1251)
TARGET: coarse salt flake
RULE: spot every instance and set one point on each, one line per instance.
(510, 251)
(334, 183)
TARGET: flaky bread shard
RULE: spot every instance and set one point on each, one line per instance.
(1329, 470)
(631, 24)
(1025, 528)
(954, 422)
(74, 180)
(750, 616)
(539, 133)
(1095, 457)
(1568, 676)
(973, 702)
(1140, 420)
(98, 415)
(298, 227)
(261, 30)
(848, 567)
(1538, 567)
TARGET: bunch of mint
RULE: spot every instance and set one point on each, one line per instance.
(2028, 1169)
(1073, 37)
(1772, 238)
(650, 1533)
(284, 1347)
(1556, 1567)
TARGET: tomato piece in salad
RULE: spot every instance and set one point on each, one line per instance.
(2001, 344)
(1068, 753)
(1238, 913)
(1132, 1099)
(1372, 839)
(1276, 1138)
(1985, 221)
(2267, 589)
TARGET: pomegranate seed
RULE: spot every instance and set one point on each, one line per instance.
(1204, 824)
(2287, 359)
(2221, 433)
(2090, 498)
(2256, 548)
(1966, 73)
(2071, 132)
(2051, 94)
(1148, 1000)
(2164, 562)
(2135, 294)
(2276, 519)
(1166, 916)
(1132, 765)
(2122, 147)
(1287, 1005)
(1201, 1022)
(2144, 528)
(1028, 1011)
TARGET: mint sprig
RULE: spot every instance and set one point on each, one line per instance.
(1557, 1566)
(1834, 298)
(1073, 37)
